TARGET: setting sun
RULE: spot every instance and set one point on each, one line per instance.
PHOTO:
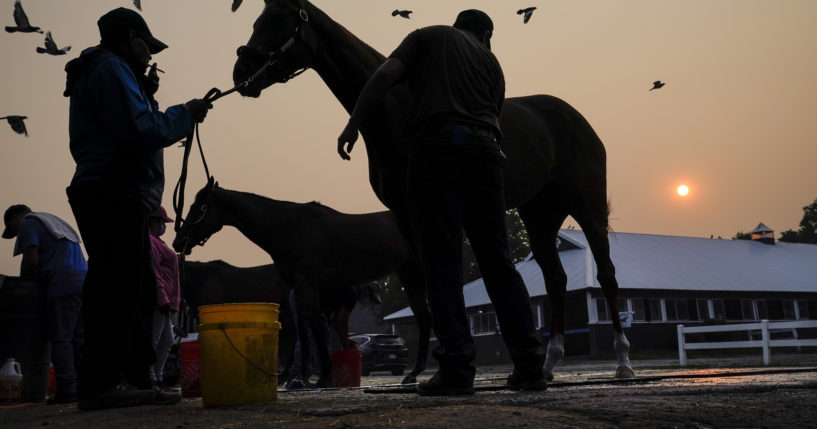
(683, 190)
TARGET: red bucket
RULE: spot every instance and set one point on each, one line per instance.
(346, 368)
(191, 369)
(52, 383)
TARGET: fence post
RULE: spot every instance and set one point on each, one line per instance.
(765, 332)
(682, 353)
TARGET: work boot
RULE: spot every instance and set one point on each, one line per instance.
(440, 386)
(62, 398)
(164, 387)
(519, 380)
(296, 383)
(123, 395)
(161, 397)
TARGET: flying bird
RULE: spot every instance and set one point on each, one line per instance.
(21, 20)
(17, 123)
(51, 47)
(528, 11)
(403, 13)
(657, 84)
(236, 4)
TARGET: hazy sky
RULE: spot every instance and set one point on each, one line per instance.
(736, 122)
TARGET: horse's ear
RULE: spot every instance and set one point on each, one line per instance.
(210, 181)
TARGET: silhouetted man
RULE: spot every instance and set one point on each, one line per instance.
(455, 181)
(51, 251)
(117, 134)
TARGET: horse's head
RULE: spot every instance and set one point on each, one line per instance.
(203, 220)
(281, 47)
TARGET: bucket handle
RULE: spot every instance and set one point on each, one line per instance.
(258, 367)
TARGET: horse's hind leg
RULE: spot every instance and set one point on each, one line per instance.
(595, 230)
(542, 223)
(320, 329)
(412, 280)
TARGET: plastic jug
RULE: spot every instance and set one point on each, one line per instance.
(11, 381)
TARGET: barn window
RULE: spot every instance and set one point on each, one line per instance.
(648, 310)
(811, 309)
(718, 310)
(601, 310)
(484, 322)
(762, 309)
(677, 309)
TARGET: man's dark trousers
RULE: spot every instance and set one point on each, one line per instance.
(119, 294)
(66, 333)
(452, 187)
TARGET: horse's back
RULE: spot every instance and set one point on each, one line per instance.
(546, 140)
(217, 282)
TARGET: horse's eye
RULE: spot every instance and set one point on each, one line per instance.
(203, 208)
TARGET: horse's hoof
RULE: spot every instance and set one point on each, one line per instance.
(625, 372)
(410, 379)
(548, 374)
(323, 383)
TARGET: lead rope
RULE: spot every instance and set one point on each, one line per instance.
(212, 95)
(178, 192)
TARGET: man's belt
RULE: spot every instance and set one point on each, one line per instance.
(470, 129)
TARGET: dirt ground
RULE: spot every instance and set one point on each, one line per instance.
(712, 394)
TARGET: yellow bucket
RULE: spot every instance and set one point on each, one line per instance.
(239, 353)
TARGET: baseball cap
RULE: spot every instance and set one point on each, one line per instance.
(117, 24)
(474, 20)
(161, 213)
(10, 213)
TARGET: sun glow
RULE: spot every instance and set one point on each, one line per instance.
(683, 190)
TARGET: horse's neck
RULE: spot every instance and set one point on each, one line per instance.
(344, 62)
(265, 222)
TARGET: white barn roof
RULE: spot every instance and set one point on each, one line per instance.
(645, 261)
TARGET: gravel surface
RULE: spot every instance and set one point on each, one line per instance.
(709, 393)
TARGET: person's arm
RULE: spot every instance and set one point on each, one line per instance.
(384, 78)
(130, 117)
(31, 257)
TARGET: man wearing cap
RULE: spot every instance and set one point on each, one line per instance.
(51, 251)
(117, 134)
(166, 269)
(455, 181)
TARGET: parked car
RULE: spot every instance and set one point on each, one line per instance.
(381, 352)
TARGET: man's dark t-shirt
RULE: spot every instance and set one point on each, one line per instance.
(453, 78)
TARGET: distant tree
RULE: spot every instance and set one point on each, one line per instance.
(394, 297)
(808, 227)
(789, 236)
(517, 241)
(742, 236)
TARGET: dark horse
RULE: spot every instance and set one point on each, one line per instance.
(556, 163)
(217, 282)
(315, 248)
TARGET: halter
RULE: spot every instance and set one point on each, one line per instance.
(272, 56)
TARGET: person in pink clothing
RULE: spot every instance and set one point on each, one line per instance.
(166, 268)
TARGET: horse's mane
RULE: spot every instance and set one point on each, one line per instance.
(213, 262)
(315, 12)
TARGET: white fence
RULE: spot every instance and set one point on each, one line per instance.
(765, 342)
